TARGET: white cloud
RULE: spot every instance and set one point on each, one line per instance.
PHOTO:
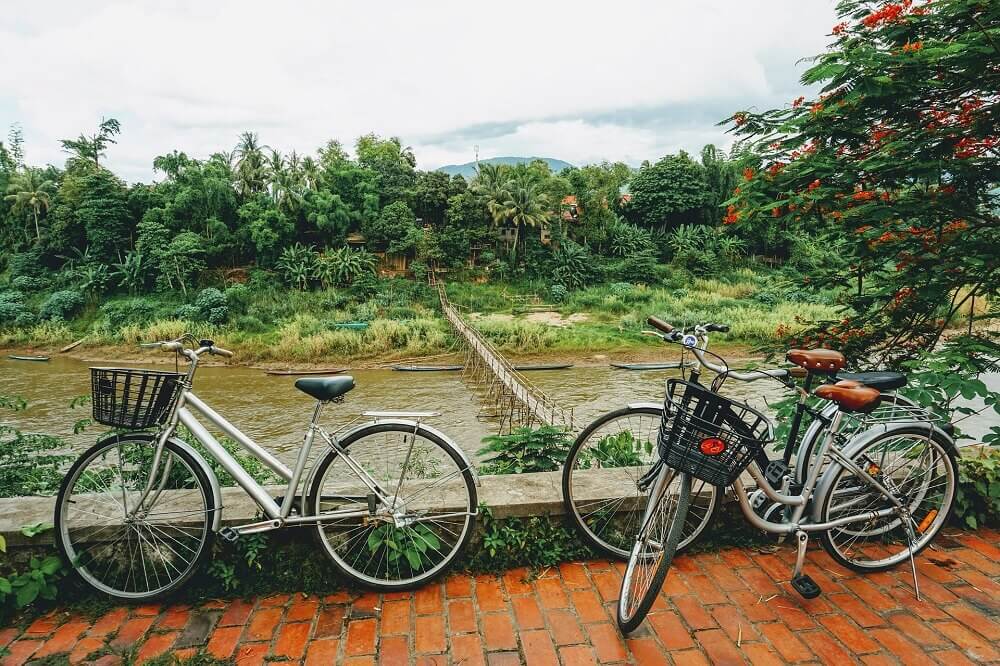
(560, 75)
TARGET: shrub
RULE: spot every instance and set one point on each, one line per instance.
(118, 314)
(27, 264)
(249, 324)
(11, 297)
(61, 304)
(28, 283)
(621, 289)
(15, 315)
(558, 293)
(212, 305)
(526, 450)
(298, 265)
(978, 497)
(574, 266)
(238, 297)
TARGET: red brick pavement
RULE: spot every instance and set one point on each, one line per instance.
(728, 607)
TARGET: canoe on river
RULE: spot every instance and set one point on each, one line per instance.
(328, 371)
(28, 358)
(670, 365)
(544, 366)
(427, 368)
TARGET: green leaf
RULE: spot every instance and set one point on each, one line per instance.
(3, 544)
(35, 529)
(26, 594)
(413, 557)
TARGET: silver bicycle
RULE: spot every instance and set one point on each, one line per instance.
(393, 500)
(877, 498)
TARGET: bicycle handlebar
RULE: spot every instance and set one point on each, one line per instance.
(670, 334)
(178, 346)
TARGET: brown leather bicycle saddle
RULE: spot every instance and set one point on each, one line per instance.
(850, 396)
(817, 360)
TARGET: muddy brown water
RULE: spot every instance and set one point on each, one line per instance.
(274, 413)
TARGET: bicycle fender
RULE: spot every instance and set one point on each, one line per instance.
(853, 447)
(199, 459)
(814, 430)
(645, 405)
(412, 425)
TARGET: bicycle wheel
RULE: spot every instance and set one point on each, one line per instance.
(851, 425)
(421, 525)
(124, 550)
(600, 482)
(918, 466)
(654, 548)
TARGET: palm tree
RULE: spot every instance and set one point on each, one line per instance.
(91, 148)
(526, 205)
(251, 167)
(29, 191)
(492, 182)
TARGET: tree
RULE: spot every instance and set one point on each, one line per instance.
(897, 161)
(392, 164)
(28, 192)
(92, 148)
(103, 213)
(182, 259)
(526, 206)
(395, 229)
(251, 165)
(669, 193)
(721, 177)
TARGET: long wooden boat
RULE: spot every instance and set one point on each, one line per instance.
(544, 366)
(327, 371)
(14, 357)
(670, 365)
(427, 368)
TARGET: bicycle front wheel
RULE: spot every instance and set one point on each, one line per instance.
(654, 547)
(415, 522)
(602, 482)
(123, 541)
(917, 465)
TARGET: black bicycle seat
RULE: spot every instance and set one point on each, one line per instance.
(880, 379)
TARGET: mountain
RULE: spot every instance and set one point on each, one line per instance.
(468, 170)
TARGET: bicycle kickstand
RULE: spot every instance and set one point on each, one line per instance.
(911, 539)
(803, 583)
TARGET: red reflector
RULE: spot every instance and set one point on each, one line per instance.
(712, 446)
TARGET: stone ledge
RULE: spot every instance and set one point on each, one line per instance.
(508, 496)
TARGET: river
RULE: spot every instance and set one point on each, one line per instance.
(272, 412)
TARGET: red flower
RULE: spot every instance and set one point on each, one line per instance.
(813, 185)
(816, 108)
(739, 118)
(863, 229)
(912, 47)
(731, 215)
(775, 212)
(863, 195)
(839, 28)
(797, 102)
(748, 174)
(948, 189)
(775, 169)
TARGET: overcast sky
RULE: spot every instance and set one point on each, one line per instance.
(582, 81)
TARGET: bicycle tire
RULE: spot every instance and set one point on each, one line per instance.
(315, 497)
(68, 550)
(630, 621)
(944, 446)
(705, 498)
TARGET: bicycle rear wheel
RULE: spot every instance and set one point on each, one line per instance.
(918, 466)
(601, 487)
(120, 548)
(654, 548)
(424, 521)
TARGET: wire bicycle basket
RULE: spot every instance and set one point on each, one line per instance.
(131, 398)
(707, 435)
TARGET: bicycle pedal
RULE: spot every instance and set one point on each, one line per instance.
(806, 586)
(229, 535)
(775, 472)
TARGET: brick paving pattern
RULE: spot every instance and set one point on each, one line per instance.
(728, 607)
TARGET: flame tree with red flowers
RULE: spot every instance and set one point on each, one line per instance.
(897, 163)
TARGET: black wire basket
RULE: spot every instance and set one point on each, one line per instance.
(707, 435)
(131, 398)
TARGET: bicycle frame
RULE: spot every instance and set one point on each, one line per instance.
(183, 413)
(801, 500)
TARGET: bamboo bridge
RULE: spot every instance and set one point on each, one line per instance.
(506, 394)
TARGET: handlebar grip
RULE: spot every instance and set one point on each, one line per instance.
(718, 328)
(172, 346)
(221, 352)
(660, 324)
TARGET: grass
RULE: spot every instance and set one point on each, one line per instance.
(273, 325)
